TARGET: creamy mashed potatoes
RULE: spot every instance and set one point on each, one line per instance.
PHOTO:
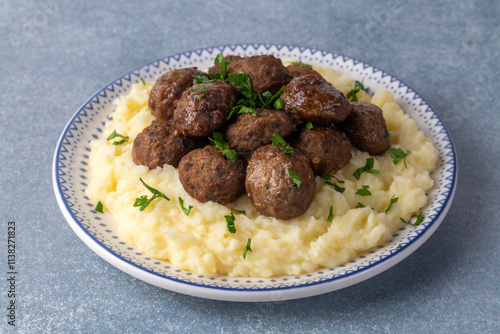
(201, 243)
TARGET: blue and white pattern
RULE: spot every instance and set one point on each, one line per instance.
(71, 171)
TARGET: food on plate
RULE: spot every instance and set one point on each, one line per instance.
(298, 68)
(207, 175)
(168, 89)
(160, 143)
(327, 148)
(311, 98)
(293, 192)
(366, 128)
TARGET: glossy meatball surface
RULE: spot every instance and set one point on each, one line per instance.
(327, 148)
(207, 175)
(272, 189)
(249, 132)
(366, 128)
(204, 108)
(160, 144)
(296, 70)
(311, 98)
(168, 88)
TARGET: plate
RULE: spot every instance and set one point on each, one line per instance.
(97, 231)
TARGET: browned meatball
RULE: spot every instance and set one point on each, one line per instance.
(250, 132)
(327, 148)
(168, 89)
(204, 108)
(297, 70)
(270, 187)
(208, 176)
(311, 98)
(160, 144)
(366, 128)
(266, 73)
(216, 67)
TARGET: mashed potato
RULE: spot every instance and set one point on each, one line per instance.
(201, 243)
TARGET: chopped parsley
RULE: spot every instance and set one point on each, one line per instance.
(230, 219)
(278, 140)
(143, 82)
(295, 111)
(186, 211)
(418, 221)
(199, 79)
(295, 177)
(351, 95)
(330, 214)
(247, 248)
(116, 134)
(223, 63)
(143, 201)
(267, 99)
(327, 180)
(99, 207)
(199, 96)
(242, 82)
(368, 168)
(398, 154)
(300, 63)
(218, 142)
(391, 202)
(363, 191)
(278, 104)
(360, 205)
(309, 125)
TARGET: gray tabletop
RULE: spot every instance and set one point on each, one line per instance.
(54, 55)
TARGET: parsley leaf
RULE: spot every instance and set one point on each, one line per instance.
(391, 202)
(199, 79)
(218, 142)
(368, 167)
(99, 207)
(267, 99)
(243, 212)
(143, 82)
(418, 221)
(230, 223)
(398, 154)
(364, 191)
(186, 211)
(295, 111)
(295, 177)
(278, 140)
(327, 180)
(242, 82)
(351, 95)
(247, 248)
(300, 63)
(330, 214)
(223, 63)
(309, 125)
(360, 205)
(118, 142)
(143, 201)
(278, 104)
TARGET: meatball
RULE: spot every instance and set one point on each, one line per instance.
(249, 132)
(266, 73)
(216, 67)
(207, 175)
(270, 186)
(366, 128)
(204, 108)
(327, 148)
(297, 70)
(311, 98)
(168, 89)
(160, 144)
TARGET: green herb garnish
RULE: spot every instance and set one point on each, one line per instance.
(398, 154)
(363, 191)
(223, 63)
(242, 82)
(278, 140)
(351, 95)
(295, 111)
(218, 142)
(368, 168)
(199, 96)
(186, 211)
(199, 79)
(143, 82)
(300, 63)
(391, 202)
(278, 104)
(99, 207)
(295, 177)
(143, 201)
(327, 180)
(418, 221)
(118, 142)
(360, 205)
(330, 214)
(309, 125)
(247, 248)
(230, 222)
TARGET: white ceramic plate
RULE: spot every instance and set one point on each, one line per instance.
(70, 174)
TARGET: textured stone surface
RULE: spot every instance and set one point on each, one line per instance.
(54, 55)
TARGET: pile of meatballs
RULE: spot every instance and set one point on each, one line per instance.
(316, 120)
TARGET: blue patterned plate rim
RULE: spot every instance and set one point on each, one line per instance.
(233, 290)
